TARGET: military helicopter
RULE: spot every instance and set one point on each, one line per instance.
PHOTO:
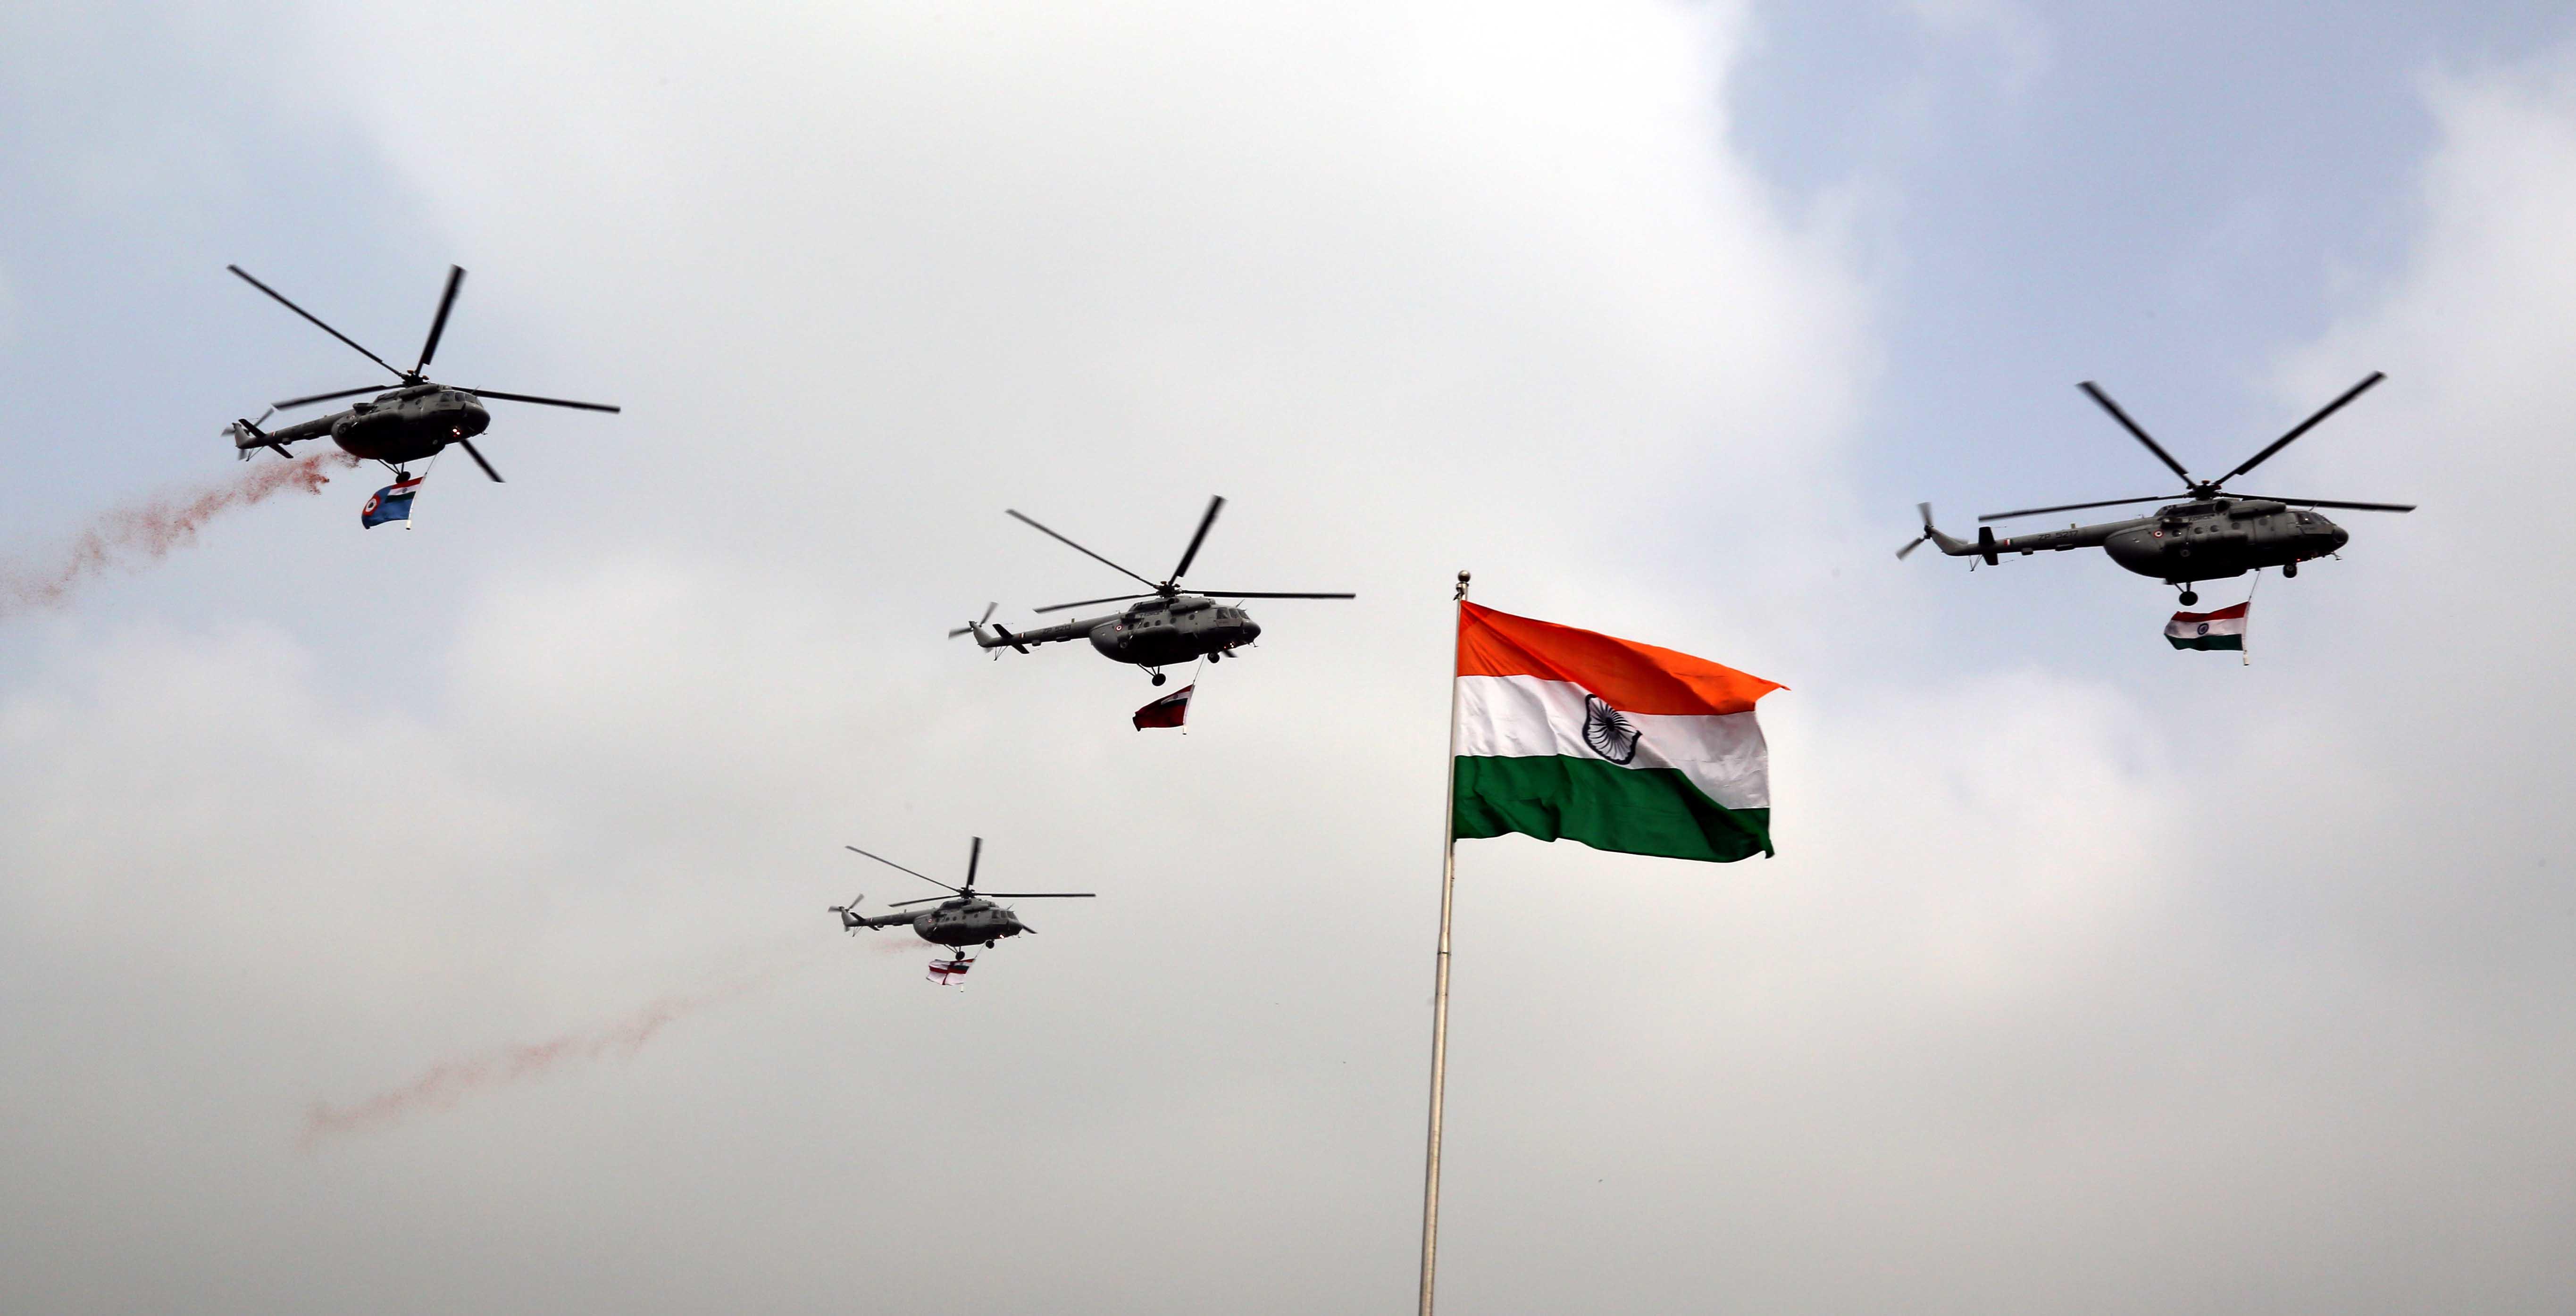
(2210, 536)
(1167, 627)
(411, 421)
(962, 920)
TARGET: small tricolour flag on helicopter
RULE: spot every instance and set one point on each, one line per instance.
(946, 971)
(2223, 629)
(1572, 734)
(391, 503)
(1167, 711)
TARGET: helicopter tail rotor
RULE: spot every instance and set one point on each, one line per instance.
(975, 627)
(248, 436)
(850, 918)
(1919, 540)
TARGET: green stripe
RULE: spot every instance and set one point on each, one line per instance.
(1653, 811)
(2207, 642)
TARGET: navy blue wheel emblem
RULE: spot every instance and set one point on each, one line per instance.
(2204, 629)
(1610, 735)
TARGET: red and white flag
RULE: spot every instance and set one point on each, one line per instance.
(1167, 711)
(946, 971)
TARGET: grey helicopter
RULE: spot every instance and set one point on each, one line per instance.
(961, 919)
(411, 421)
(2210, 535)
(1165, 627)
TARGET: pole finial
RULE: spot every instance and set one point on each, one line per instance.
(1462, 586)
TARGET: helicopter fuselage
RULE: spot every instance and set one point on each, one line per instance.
(406, 424)
(966, 921)
(2184, 542)
(1153, 633)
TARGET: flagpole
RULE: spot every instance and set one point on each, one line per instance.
(1440, 983)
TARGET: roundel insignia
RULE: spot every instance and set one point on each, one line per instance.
(1610, 735)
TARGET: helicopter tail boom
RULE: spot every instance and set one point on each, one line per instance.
(998, 636)
(248, 437)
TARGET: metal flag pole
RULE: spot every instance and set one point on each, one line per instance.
(1440, 984)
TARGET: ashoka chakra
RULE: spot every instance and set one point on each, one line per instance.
(1609, 734)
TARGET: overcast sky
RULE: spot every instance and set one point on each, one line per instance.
(2090, 975)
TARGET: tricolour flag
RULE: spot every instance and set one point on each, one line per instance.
(2223, 629)
(947, 971)
(1167, 711)
(1622, 746)
(391, 503)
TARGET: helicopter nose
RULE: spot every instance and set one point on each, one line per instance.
(1251, 630)
(2341, 536)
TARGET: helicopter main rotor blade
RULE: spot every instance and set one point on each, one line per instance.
(326, 397)
(477, 455)
(2077, 507)
(892, 864)
(2304, 426)
(2094, 392)
(438, 325)
(1266, 594)
(1038, 895)
(898, 904)
(1085, 603)
(2328, 502)
(1024, 519)
(317, 321)
(530, 397)
(1191, 554)
(973, 857)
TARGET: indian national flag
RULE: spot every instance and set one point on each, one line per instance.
(1622, 746)
(2223, 629)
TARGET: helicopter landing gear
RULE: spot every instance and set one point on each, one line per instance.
(1158, 678)
(2290, 571)
(2189, 598)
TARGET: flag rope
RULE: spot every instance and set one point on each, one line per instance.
(1440, 981)
(2245, 645)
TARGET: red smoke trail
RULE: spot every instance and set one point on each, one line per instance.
(446, 1084)
(135, 536)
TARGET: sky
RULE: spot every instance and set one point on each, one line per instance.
(416, 920)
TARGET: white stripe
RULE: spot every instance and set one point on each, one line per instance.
(2190, 630)
(1527, 717)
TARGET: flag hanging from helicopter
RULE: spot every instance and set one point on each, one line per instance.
(2223, 629)
(1168, 711)
(948, 971)
(1574, 735)
(391, 503)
